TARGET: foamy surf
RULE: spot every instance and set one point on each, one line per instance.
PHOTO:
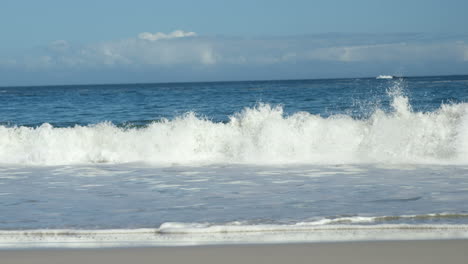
(260, 135)
(180, 234)
(352, 228)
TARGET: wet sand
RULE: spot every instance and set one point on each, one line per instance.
(435, 251)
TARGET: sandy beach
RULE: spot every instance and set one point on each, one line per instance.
(440, 251)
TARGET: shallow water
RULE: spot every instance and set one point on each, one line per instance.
(141, 196)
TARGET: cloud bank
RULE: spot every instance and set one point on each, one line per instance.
(187, 56)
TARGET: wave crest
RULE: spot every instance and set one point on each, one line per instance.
(258, 135)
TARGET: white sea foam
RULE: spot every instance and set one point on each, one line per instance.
(259, 135)
(179, 234)
(352, 228)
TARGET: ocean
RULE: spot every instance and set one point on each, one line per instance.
(234, 162)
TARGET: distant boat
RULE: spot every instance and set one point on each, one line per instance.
(385, 77)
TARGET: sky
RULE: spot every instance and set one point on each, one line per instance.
(115, 41)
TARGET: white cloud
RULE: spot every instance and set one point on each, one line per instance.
(159, 35)
(147, 51)
(139, 53)
(179, 57)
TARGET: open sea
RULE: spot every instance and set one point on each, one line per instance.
(234, 162)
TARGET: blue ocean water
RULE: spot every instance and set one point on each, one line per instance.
(259, 161)
(141, 104)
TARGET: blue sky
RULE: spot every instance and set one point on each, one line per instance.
(68, 42)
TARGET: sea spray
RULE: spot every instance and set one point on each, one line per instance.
(263, 134)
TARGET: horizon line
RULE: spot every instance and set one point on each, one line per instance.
(226, 81)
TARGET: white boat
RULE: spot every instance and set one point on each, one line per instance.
(384, 77)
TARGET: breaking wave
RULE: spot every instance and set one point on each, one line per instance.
(260, 135)
(183, 234)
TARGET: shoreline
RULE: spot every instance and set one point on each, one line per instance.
(176, 235)
(413, 251)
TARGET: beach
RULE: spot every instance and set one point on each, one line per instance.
(429, 251)
(233, 132)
